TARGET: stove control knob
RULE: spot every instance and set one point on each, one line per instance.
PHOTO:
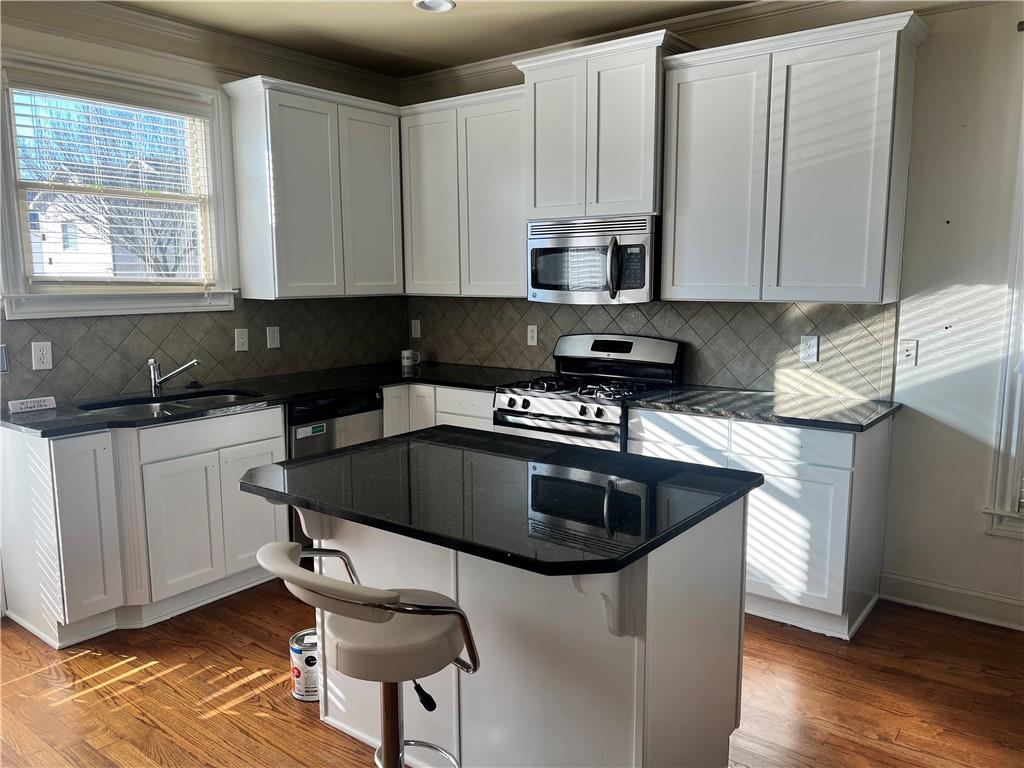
(583, 410)
(526, 404)
(511, 402)
(599, 413)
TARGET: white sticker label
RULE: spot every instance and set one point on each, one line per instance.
(32, 404)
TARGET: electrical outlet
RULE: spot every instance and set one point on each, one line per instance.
(42, 356)
(414, 331)
(531, 335)
(907, 352)
(808, 349)
(273, 337)
(241, 339)
(5, 365)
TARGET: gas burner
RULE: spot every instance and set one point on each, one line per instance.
(612, 390)
(548, 384)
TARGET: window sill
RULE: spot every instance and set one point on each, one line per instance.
(1007, 525)
(40, 306)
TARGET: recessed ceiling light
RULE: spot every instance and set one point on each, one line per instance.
(434, 6)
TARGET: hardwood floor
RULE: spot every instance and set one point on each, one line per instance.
(211, 688)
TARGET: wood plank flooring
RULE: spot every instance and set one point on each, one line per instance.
(210, 688)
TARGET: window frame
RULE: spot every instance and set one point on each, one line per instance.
(24, 298)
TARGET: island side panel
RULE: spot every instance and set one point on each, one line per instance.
(694, 641)
(555, 687)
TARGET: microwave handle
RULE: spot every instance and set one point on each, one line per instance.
(609, 491)
(611, 273)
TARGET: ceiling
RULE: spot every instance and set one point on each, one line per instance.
(392, 37)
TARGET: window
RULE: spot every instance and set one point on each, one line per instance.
(68, 234)
(110, 192)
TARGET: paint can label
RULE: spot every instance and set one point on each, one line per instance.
(305, 661)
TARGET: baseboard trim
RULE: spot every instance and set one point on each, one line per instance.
(954, 600)
(140, 616)
(70, 634)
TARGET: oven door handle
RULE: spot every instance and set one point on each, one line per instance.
(610, 272)
(609, 491)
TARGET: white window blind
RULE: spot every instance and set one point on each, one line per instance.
(110, 192)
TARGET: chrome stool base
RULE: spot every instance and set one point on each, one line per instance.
(421, 745)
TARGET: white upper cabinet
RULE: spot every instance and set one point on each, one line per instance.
(716, 131)
(593, 131)
(430, 187)
(831, 130)
(804, 137)
(462, 180)
(556, 148)
(317, 182)
(491, 201)
(623, 132)
(371, 201)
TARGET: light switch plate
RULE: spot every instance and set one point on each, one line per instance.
(531, 335)
(907, 353)
(414, 331)
(808, 349)
(273, 336)
(42, 356)
(241, 339)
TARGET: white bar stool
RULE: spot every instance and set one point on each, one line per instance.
(387, 636)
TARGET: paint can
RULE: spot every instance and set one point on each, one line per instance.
(305, 657)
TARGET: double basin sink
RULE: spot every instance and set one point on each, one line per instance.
(144, 406)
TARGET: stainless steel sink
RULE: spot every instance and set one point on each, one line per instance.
(177, 402)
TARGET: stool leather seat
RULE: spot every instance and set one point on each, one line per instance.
(403, 648)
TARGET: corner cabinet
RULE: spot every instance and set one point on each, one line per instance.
(317, 191)
(804, 138)
(408, 407)
(462, 183)
(593, 134)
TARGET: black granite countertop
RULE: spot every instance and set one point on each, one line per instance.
(68, 418)
(820, 412)
(531, 504)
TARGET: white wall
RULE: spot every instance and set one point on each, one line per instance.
(959, 238)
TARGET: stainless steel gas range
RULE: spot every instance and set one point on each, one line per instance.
(584, 402)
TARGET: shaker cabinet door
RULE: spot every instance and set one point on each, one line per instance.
(86, 513)
(716, 133)
(371, 201)
(556, 141)
(492, 199)
(306, 196)
(430, 189)
(623, 114)
(249, 521)
(830, 138)
(184, 523)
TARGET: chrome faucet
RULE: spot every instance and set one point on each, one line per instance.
(156, 380)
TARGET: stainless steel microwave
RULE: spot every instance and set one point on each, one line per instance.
(591, 261)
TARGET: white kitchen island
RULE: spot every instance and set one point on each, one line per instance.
(611, 645)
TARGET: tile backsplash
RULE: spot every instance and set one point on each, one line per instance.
(99, 356)
(752, 346)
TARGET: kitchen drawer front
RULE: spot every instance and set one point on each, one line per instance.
(185, 438)
(676, 452)
(810, 446)
(704, 432)
(467, 402)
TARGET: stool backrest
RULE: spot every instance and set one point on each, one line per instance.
(281, 558)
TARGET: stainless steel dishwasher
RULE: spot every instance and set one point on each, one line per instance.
(320, 424)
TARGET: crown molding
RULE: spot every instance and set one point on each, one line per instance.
(509, 93)
(257, 84)
(226, 43)
(661, 37)
(906, 23)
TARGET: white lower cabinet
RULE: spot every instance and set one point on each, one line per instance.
(184, 523)
(62, 558)
(408, 407)
(249, 521)
(814, 529)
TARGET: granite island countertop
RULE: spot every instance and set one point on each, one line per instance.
(68, 418)
(792, 409)
(541, 506)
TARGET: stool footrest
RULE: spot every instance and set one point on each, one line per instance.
(421, 745)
